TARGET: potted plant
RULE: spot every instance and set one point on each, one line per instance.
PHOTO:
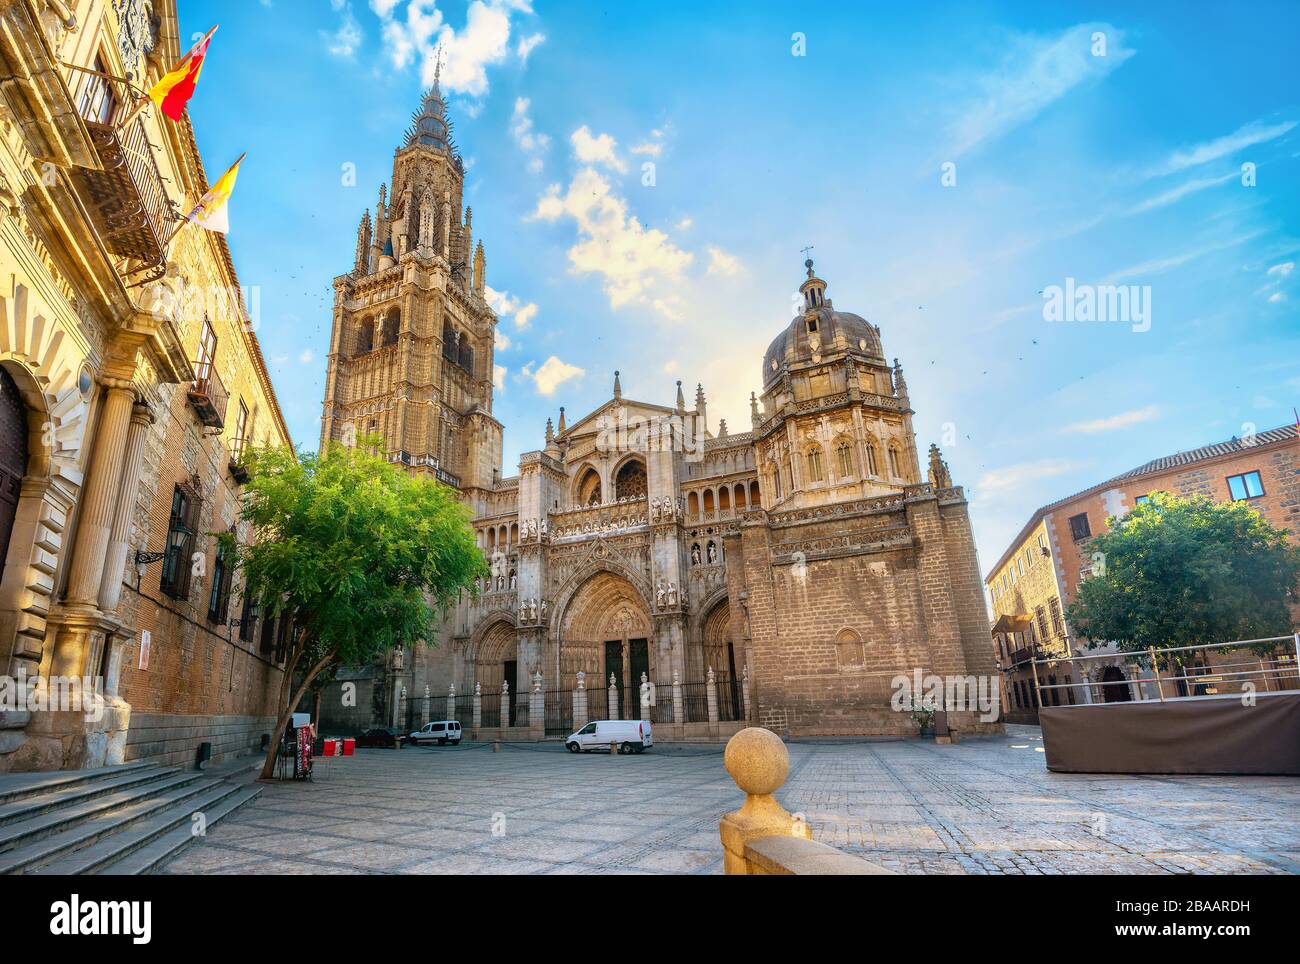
(923, 714)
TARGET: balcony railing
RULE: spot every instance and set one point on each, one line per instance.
(126, 198)
(208, 395)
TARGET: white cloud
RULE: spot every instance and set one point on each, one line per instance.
(597, 149)
(531, 142)
(684, 224)
(307, 356)
(1276, 298)
(1181, 191)
(483, 41)
(1006, 480)
(500, 340)
(505, 305)
(1281, 270)
(1113, 422)
(554, 373)
(525, 315)
(499, 377)
(1037, 72)
(344, 41)
(1160, 265)
(527, 45)
(630, 258)
(1247, 136)
(722, 263)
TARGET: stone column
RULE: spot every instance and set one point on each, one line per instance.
(478, 707)
(451, 702)
(613, 698)
(580, 702)
(645, 697)
(744, 689)
(110, 585)
(711, 693)
(100, 496)
(679, 715)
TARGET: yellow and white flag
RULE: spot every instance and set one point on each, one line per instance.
(211, 212)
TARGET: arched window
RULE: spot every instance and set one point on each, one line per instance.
(844, 456)
(693, 504)
(753, 494)
(814, 465)
(893, 462)
(588, 490)
(630, 482)
(708, 502)
(364, 339)
(848, 648)
(873, 458)
(13, 458)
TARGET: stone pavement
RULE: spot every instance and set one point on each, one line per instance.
(983, 806)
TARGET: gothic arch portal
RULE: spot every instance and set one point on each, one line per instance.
(604, 627)
(495, 653)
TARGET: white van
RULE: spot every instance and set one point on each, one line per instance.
(441, 732)
(632, 736)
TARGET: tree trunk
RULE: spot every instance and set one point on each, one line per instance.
(268, 766)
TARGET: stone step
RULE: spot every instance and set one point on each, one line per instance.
(16, 786)
(24, 832)
(64, 795)
(144, 859)
(143, 832)
(24, 857)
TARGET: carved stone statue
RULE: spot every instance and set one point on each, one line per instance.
(661, 594)
(695, 555)
(713, 553)
(672, 594)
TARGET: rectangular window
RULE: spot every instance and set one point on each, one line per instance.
(219, 596)
(176, 563)
(1041, 615)
(1142, 499)
(241, 433)
(1079, 528)
(1058, 623)
(268, 635)
(247, 617)
(1245, 486)
(207, 350)
(96, 102)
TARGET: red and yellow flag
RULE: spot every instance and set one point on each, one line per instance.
(174, 91)
(210, 213)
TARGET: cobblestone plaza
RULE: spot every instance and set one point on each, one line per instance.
(986, 805)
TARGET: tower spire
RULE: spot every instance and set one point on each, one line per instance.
(618, 387)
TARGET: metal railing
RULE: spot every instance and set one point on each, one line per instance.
(1277, 662)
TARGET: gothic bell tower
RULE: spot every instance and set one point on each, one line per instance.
(411, 352)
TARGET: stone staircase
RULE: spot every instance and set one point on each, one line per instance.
(115, 820)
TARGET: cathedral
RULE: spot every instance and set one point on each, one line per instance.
(786, 575)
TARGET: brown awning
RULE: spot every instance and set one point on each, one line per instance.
(1012, 624)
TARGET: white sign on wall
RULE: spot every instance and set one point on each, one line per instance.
(146, 640)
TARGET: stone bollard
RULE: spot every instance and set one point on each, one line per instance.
(759, 763)
(580, 702)
(496, 746)
(613, 748)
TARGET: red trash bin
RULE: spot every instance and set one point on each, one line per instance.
(328, 747)
(349, 744)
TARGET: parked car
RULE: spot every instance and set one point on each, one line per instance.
(383, 738)
(441, 732)
(631, 736)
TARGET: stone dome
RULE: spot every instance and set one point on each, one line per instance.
(827, 331)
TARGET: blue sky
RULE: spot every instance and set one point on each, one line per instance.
(1118, 164)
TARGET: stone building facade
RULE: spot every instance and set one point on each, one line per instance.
(130, 383)
(805, 563)
(1038, 575)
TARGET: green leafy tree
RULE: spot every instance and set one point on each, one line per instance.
(1187, 572)
(361, 555)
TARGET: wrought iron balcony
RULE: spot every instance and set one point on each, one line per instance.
(208, 395)
(125, 197)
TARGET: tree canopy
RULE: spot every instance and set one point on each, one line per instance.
(361, 554)
(1187, 572)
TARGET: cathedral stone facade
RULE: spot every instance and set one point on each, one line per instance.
(787, 574)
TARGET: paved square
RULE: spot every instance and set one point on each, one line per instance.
(983, 806)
